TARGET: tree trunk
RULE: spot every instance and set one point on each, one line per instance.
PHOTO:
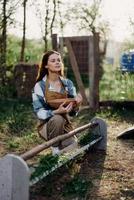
(3, 45)
(53, 18)
(46, 25)
(24, 33)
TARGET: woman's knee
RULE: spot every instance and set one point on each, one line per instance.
(56, 124)
(57, 119)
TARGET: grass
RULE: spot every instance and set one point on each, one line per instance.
(18, 137)
(15, 117)
(17, 126)
(45, 164)
(116, 86)
(77, 187)
(18, 131)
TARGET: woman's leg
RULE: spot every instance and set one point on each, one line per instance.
(55, 127)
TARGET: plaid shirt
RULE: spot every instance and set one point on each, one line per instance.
(41, 108)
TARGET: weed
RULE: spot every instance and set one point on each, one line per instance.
(16, 117)
(77, 187)
(12, 145)
(115, 85)
(87, 137)
(45, 164)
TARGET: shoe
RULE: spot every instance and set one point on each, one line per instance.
(55, 151)
(70, 148)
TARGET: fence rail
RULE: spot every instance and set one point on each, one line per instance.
(29, 154)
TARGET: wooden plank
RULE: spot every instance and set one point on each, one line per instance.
(127, 133)
(76, 38)
(97, 69)
(93, 73)
(54, 42)
(61, 46)
(76, 71)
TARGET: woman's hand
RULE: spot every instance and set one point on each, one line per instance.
(78, 99)
(62, 109)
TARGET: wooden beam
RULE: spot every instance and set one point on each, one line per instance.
(61, 46)
(31, 153)
(94, 72)
(54, 42)
(76, 71)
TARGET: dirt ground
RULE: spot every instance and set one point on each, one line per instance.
(111, 175)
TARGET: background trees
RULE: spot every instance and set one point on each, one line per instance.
(24, 4)
(50, 19)
(7, 8)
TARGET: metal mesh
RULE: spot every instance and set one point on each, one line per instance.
(80, 49)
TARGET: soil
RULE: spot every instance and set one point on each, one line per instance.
(111, 174)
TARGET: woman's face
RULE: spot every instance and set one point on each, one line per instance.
(54, 63)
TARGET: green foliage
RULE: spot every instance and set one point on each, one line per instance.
(13, 50)
(7, 91)
(15, 117)
(17, 123)
(33, 50)
(116, 113)
(33, 54)
(12, 145)
(76, 187)
(46, 163)
(115, 85)
(87, 137)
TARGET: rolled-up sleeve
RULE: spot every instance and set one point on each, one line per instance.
(40, 107)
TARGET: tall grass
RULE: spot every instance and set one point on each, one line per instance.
(16, 117)
(115, 85)
(18, 126)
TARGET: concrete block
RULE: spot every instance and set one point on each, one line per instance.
(102, 131)
(14, 178)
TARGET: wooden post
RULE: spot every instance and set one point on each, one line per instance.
(76, 71)
(61, 46)
(97, 69)
(93, 73)
(54, 42)
(100, 130)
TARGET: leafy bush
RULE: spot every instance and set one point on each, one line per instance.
(33, 50)
(46, 163)
(87, 137)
